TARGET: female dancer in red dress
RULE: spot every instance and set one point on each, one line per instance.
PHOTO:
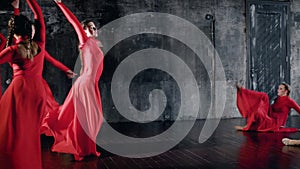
(80, 116)
(260, 115)
(51, 104)
(23, 103)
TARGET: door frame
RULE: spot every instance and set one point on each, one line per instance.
(286, 3)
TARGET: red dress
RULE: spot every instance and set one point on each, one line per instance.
(51, 104)
(80, 116)
(22, 105)
(260, 115)
(2, 45)
(3, 42)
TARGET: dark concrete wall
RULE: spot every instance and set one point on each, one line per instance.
(230, 44)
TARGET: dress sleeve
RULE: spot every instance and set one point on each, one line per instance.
(75, 23)
(3, 42)
(40, 28)
(55, 62)
(249, 101)
(16, 11)
(6, 55)
(294, 105)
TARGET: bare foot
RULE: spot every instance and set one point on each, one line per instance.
(239, 128)
(285, 141)
(290, 142)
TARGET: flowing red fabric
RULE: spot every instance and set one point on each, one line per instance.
(2, 45)
(23, 104)
(260, 115)
(52, 106)
(80, 116)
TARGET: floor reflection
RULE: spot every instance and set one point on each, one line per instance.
(263, 150)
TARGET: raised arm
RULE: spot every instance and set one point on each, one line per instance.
(3, 42)
(74, 21)
(40, 34)
(16, 5)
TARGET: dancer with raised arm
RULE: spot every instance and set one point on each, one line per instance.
(80, 116)
(70, 74)
(48, 57)
(23, 103)
(52, 105)
(260, 115)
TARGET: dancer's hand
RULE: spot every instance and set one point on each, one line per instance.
(71, 74)
(16, 4)
(239, 128)
(59, 1)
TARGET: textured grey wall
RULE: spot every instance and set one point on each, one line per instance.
(230, 41)
(295, 50)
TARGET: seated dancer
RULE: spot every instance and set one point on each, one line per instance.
(260, 115)
(80, 117)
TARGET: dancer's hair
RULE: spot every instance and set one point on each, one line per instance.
(286, 87)
(20, 25)
(85, 23)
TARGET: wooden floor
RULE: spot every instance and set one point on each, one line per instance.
(225, 149)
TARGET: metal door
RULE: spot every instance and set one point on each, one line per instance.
(267, 45)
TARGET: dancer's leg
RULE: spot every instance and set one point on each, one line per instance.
(290, 142)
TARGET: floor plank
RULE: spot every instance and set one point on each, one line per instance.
(226, 148)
